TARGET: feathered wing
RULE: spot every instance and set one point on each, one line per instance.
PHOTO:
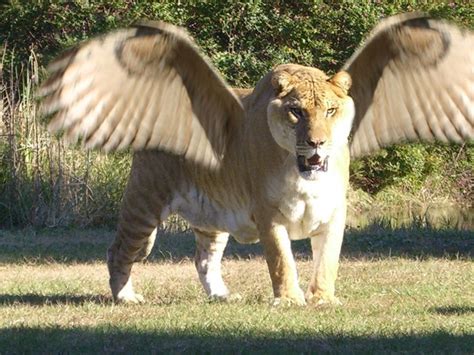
(146, 87)
(412, 80)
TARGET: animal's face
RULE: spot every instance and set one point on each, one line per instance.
(310, 116)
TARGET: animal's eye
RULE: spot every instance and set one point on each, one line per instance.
(331, 111)
(296, 111)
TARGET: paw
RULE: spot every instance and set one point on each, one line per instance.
(129, 297)
(287, 302)
(321, 301)
(122, 289)
(288, 299)
(227, 298)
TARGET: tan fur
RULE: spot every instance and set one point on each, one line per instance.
(256, 177)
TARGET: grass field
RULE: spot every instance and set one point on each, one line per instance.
(404, 290)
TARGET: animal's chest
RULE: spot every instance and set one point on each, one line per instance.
(307, 205)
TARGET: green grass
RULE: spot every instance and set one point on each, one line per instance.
(405, 290)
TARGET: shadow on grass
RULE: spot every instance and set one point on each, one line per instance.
(408, 242)
(112, 339)
(452, 310)
(375, 241)
(33, 299)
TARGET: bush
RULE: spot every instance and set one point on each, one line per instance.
(41, 183)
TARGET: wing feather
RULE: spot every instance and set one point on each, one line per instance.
(413, 80)
(146, 87)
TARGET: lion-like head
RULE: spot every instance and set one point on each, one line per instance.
(310, 115)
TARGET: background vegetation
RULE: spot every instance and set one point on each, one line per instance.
(44, 184)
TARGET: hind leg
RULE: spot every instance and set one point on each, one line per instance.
(209, 250)
(135, 235)
(121, 255)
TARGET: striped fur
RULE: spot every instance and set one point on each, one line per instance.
(254, 196)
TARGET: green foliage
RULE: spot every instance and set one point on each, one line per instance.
(410, 168)
(244, 39)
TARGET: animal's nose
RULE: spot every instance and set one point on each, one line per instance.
(314, 143)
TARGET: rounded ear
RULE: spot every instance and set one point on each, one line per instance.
(282, 83)
(342, 80)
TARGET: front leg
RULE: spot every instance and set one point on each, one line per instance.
(281, 264)
(326, 248)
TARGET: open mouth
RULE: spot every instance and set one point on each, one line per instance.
(313, 163)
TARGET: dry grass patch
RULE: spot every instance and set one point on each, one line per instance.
(412, 292)
(387, 304)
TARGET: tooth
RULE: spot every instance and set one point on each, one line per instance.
(325, 164)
